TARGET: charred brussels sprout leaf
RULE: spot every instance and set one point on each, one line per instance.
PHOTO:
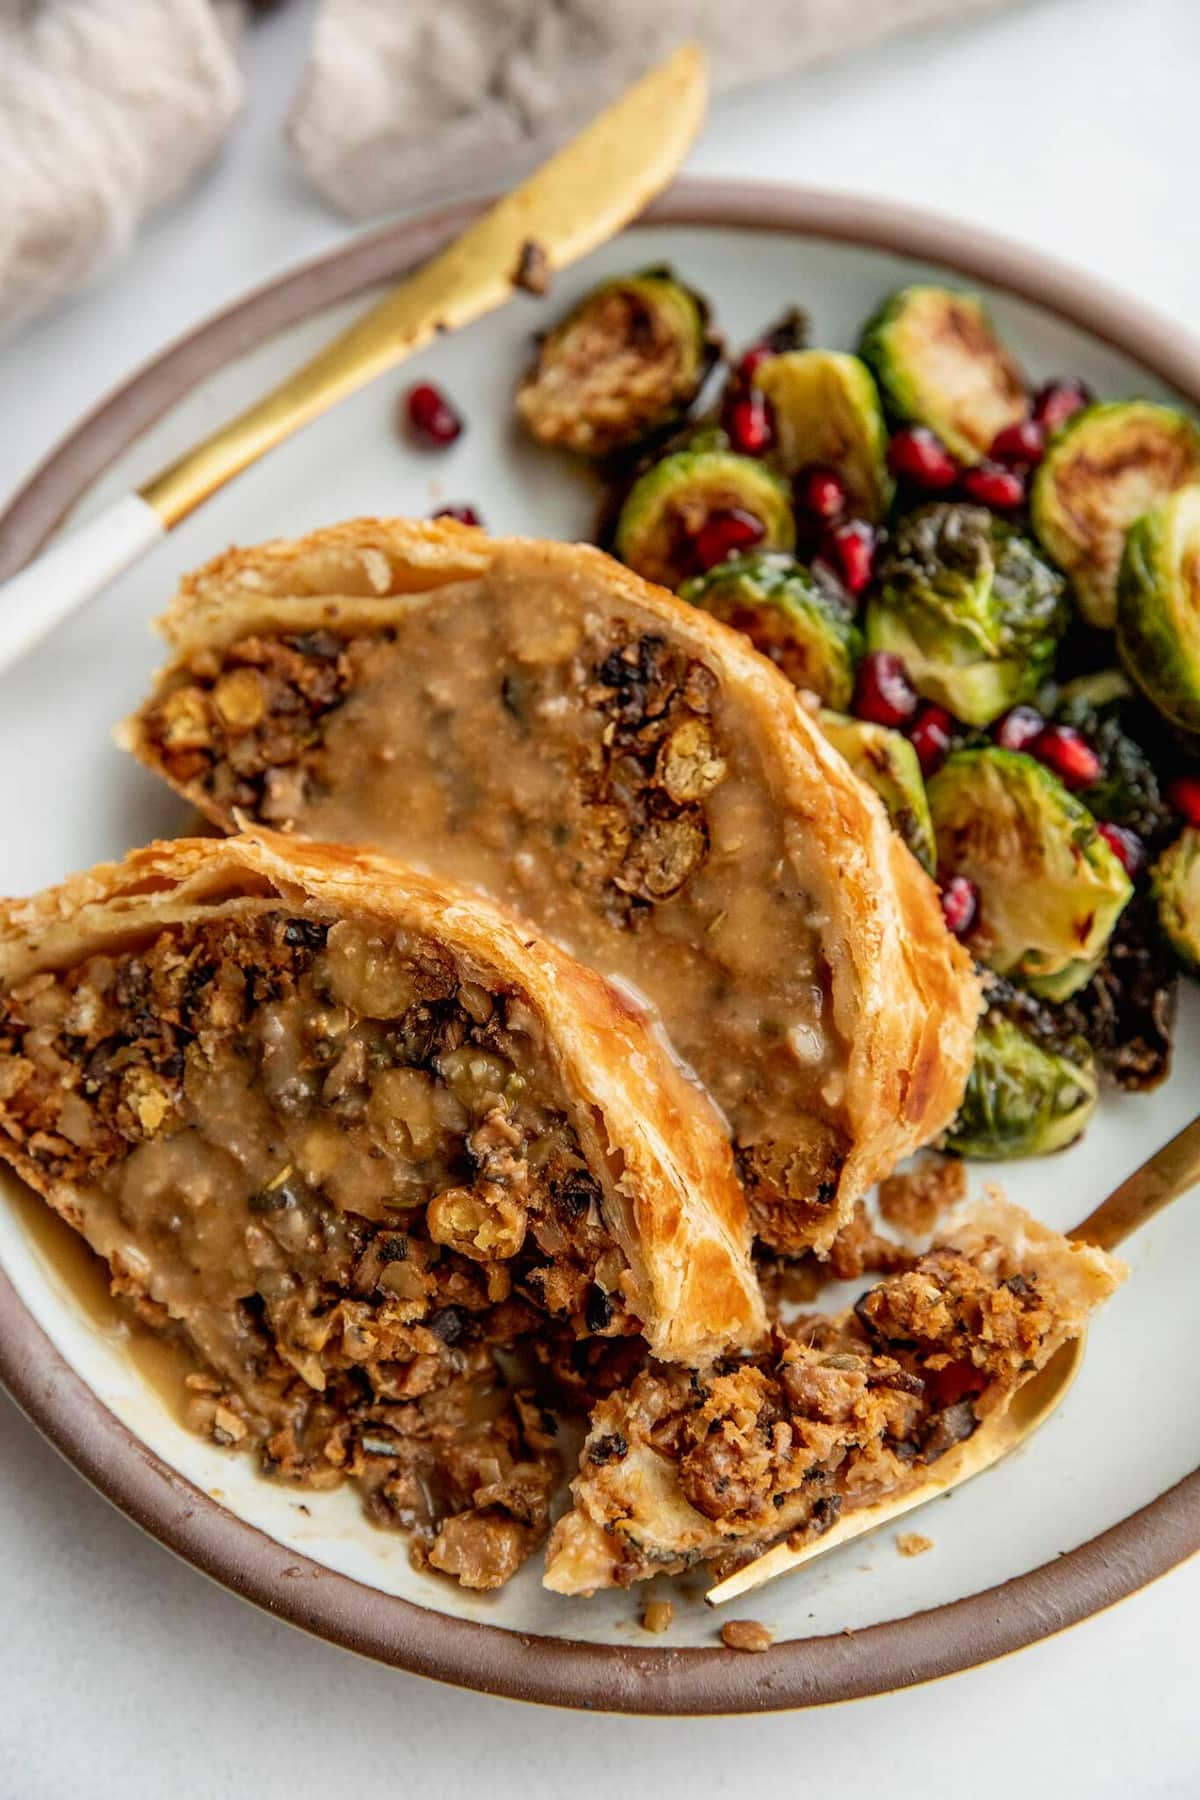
(1104, 710)
(1158, 607)
(972, 608)
(668, 507)
(826, 410)
(887, 762)
(1107, 466)
(1175, 883)
(1051, 889)
(938, 362)
(807, 630)
(1022, 1098)
(629, 359)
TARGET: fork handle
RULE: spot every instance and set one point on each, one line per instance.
(1170, 1172)
(76, 567)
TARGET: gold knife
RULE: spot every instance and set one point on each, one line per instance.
(581, 197)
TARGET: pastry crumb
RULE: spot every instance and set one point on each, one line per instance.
(658, 1616)
(914, 1201)
(745, 1634)
(913, 1543)
(533, 271)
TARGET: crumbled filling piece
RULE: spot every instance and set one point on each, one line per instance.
(746, 1634)
(917, 1199)
(339, 1165)
(526, 735)
(683, 1467)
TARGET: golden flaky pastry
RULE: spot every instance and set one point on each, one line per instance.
(271, 1075)
(619, 768)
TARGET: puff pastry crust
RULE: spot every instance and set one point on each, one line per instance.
(653, 1146)
(732, 830)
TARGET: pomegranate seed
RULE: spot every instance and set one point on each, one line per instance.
(466, 515)
(1001, 489)
(431, 415)
(821, 492)
(1070, 756)
(1054, 403)
(748, 422)
(1184, 795)
(751, 359)
(951, 1383)
(1126, 846)
(851, 550)
(883, 693)
(960, 904)
(920, 456)
(723, 534)
(1019, 445)
(931, 734)
(1018, 728)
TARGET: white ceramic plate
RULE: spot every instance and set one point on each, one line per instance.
(1131, 1425)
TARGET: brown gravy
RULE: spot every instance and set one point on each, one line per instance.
(163, 1363)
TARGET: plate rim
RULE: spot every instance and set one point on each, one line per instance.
(495, 1658)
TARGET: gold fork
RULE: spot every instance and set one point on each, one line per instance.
(1169, 1173)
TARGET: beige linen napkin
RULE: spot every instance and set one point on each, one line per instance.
(406, 102)
(108, 108)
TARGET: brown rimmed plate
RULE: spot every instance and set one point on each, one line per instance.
(1085, 1515)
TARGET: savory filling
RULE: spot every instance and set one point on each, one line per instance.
(339, 1165)
(683, 1467)
(522, 737)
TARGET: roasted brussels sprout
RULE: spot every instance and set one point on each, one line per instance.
(1175, 883)
(1107, 466)
(1104, 709)
(626, 361)
(826, 411)
(1158, 607)
(1051, 889)
(807, 630)
(887, 762)
(664, 523)
(938, 362)
(1022, 1098)
(972, 608)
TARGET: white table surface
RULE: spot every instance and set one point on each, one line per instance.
(1068, 123)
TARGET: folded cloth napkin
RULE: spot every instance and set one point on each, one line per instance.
(403, 103)
(109, 107)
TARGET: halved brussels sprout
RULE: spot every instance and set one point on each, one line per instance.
(1158, 607)
(1050, 887)
(807, 630)
(971, 606)
(1175, 883)
(887, 762)
(1022, 1098)
(938, 362)
(826, 410)
(626, 361)
(1107, 466)
(668, 507)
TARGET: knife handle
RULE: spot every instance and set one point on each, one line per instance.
(73, 571)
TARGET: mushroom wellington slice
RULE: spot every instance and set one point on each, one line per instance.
(622, 770)
(344, 1133)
